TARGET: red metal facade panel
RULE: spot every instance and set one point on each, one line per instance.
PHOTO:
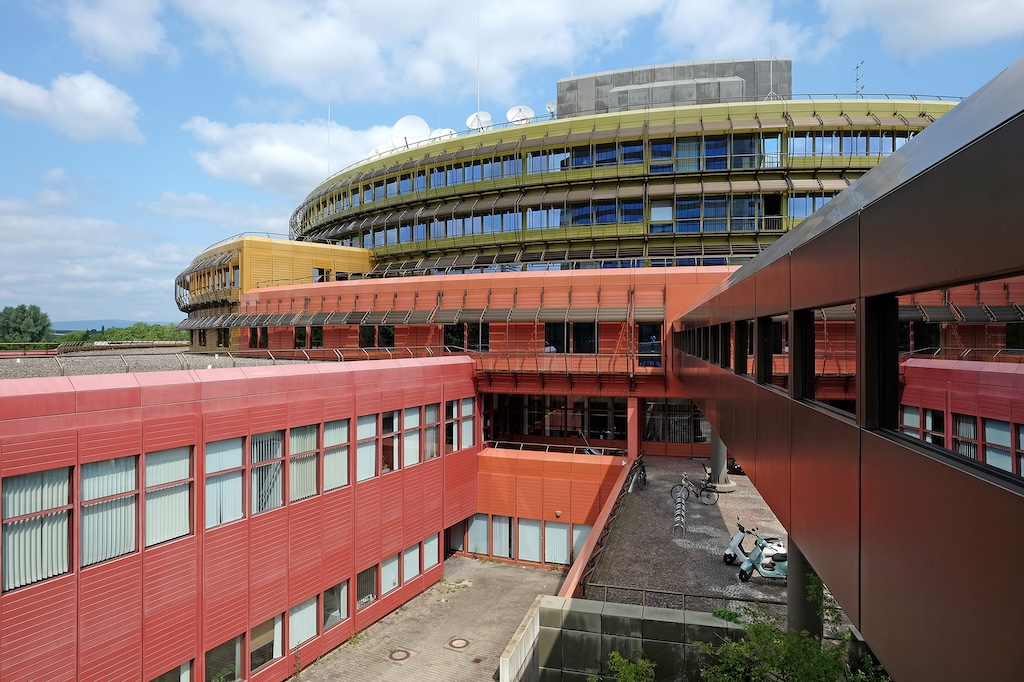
(225, 583)
(224, 425)
(170, 600)
(39, 643)
(772, 434)
(433, 477)
(338, 531)
(585, 502)
(162, 434)
(367, 523)
(110, 620)
(557, 499)
(392, 501)
(105, 442)
(268, 565)
(529, 497)
(413, 528)
(22, 454)
(453, 479)
(305, 551)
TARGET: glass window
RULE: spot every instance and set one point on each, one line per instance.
(606, 154)
(501, 533)
(716, 210)
(411, 438)
(430, 552)
(389, 574)
(556, 543)
(688, 154)
(632, 152)
(224, 662)
(410, 563)
(716, 153)
(911, 421)
(584, 337)
(302, 623)
(631, 211)
(224, 490)
(934, 427)
(580, 533)
(604, 212)
(265, 643)
(529, 540)
(431, 431)
(168, 494)
(366, 448)
(478, 534)
(302, 473)
(182, 673)
(36, 535)
(267, 484)
(997, 444)
(965, 437)
(335, 454)
(335, 604)
(582, 157)
(108, 523)
(467, 436)
(391, 423)
(366, 587)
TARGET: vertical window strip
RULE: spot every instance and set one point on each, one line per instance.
(335, 604)
(411, 447)
(267, 446)
(430, 556)
(108, 526)
(302, 439)
(38, 547)
(501, 533)
(168, 508)
(478, 534)
(302, 623)
(556, 542)
(267, 487)
(389, 574)
(335, 467)
(223, 455)
(302, 477)
(580, 533)
(411, 563)
(223, 498)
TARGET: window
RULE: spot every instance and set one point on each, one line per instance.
(431, 429)
(965, 436)
(391, 423)
(201, 336)
(556, 543)
(302, 474)
(501, 533)
(316, 337)
(389, 574)
(168, 494)
(335, 454)
(335, 604)
(580, 533)
(688, 215)
(223, 491)
(479, 336)
(688, 154)
(35, 526)
(300, 337)
(934, 427)
(632, 152)
(911, 421)
(467, 423)
(224, 662)
(223, 338)
(430, 556)
(453, 336)
(529, 540)
(997, 444)
(367, 336)
(716, 153)
(267, 485)
(366, 587)
(182, 673)
(108, 521)
(302, 623)
(366, 448)
(478, 534)
(451, 426)
(411, 438)
(410, 563)
(254, 337)
(265, 643)
(584, 337)
(554, 337)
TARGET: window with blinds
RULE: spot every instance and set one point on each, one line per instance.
(335, 604)
(35, 539)
(224, 463)
(267, 485)
(410, 563)
(501, 533)
(430, 548)
(529, 540)
(366, 447)
(478, 534)
(467, 439)
(265, 643)
(366, 587)
(168, 506)
(108, 509)
(411, 437)
(224, 661)
(431, 431)
(302, 623)
(336, 454)
(556, 542)
(389, 574)
(965, 435)
(302, 462)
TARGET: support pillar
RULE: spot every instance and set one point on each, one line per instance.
(803, 611)
(719, 465)
(633, 426)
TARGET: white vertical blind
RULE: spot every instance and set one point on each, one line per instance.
(556, 542)
(478, 534)
(335, 467)
(35, 548)
(366, 460)
(997, 444)
(411, 448)
(335, 604)
(108, 527)
(302, 477)
(431, 448)
(412, 417)
(168, 509)
(302, 623)
(467, 432)
(529, 540)
(336, 433)
(967, 434)
(389, 574)
(267, 483)
(467, 407)
(302, 439)
(430, 547)
(366, 427)
(580, 533)
(267, 446)
(411, 563)
(223, 455)
(223, 498)
(501, 532)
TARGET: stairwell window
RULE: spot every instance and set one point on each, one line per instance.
(109, 501)
(302, 469)
(36, 533)
(267, 472)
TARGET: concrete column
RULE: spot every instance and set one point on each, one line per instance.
(803, 611)
(719, 464)
(633, 425)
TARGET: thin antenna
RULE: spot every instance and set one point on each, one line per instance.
(478, 60)
(328, 138)
(858, 87)
(771, 57)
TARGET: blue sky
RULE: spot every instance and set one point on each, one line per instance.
(135, 133)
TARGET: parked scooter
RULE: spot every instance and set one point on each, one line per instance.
(775, 567)
(736, 548)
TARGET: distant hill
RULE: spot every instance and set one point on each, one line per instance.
(82, 325)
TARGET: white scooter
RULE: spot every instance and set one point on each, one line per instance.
(776, 567)
(736, 549)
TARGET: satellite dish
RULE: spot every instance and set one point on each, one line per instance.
(442, 134)
(409, 130)
(552, 108)
(481, 120)
(519, 115)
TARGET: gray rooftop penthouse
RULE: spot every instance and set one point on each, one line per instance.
(682, 83)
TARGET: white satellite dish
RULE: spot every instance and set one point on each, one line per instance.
(442, 134)
(519, 115)
(480, 120)
(410, 130)
(552, 108)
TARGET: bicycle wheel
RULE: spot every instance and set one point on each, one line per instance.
(677, 490)
(708, 495)
(642, 479)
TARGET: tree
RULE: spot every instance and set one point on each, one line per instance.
(24, 324)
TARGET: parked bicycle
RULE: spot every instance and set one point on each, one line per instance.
(705, 491)
(640, 477)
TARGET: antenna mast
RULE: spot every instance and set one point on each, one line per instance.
(328, 137)
(478, 60)
(771, 57)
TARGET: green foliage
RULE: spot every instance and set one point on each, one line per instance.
(771, 652)
(140, 331)
(726, 614)
(24, 324)
(626, 670)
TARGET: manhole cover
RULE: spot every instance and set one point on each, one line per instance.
(458, 643)
(398, 655)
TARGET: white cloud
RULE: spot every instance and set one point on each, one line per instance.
(287, 159)
(409, 48)
(195, 206)
(910, 29)
(55, 174)
(82, 106)
(122, 32)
